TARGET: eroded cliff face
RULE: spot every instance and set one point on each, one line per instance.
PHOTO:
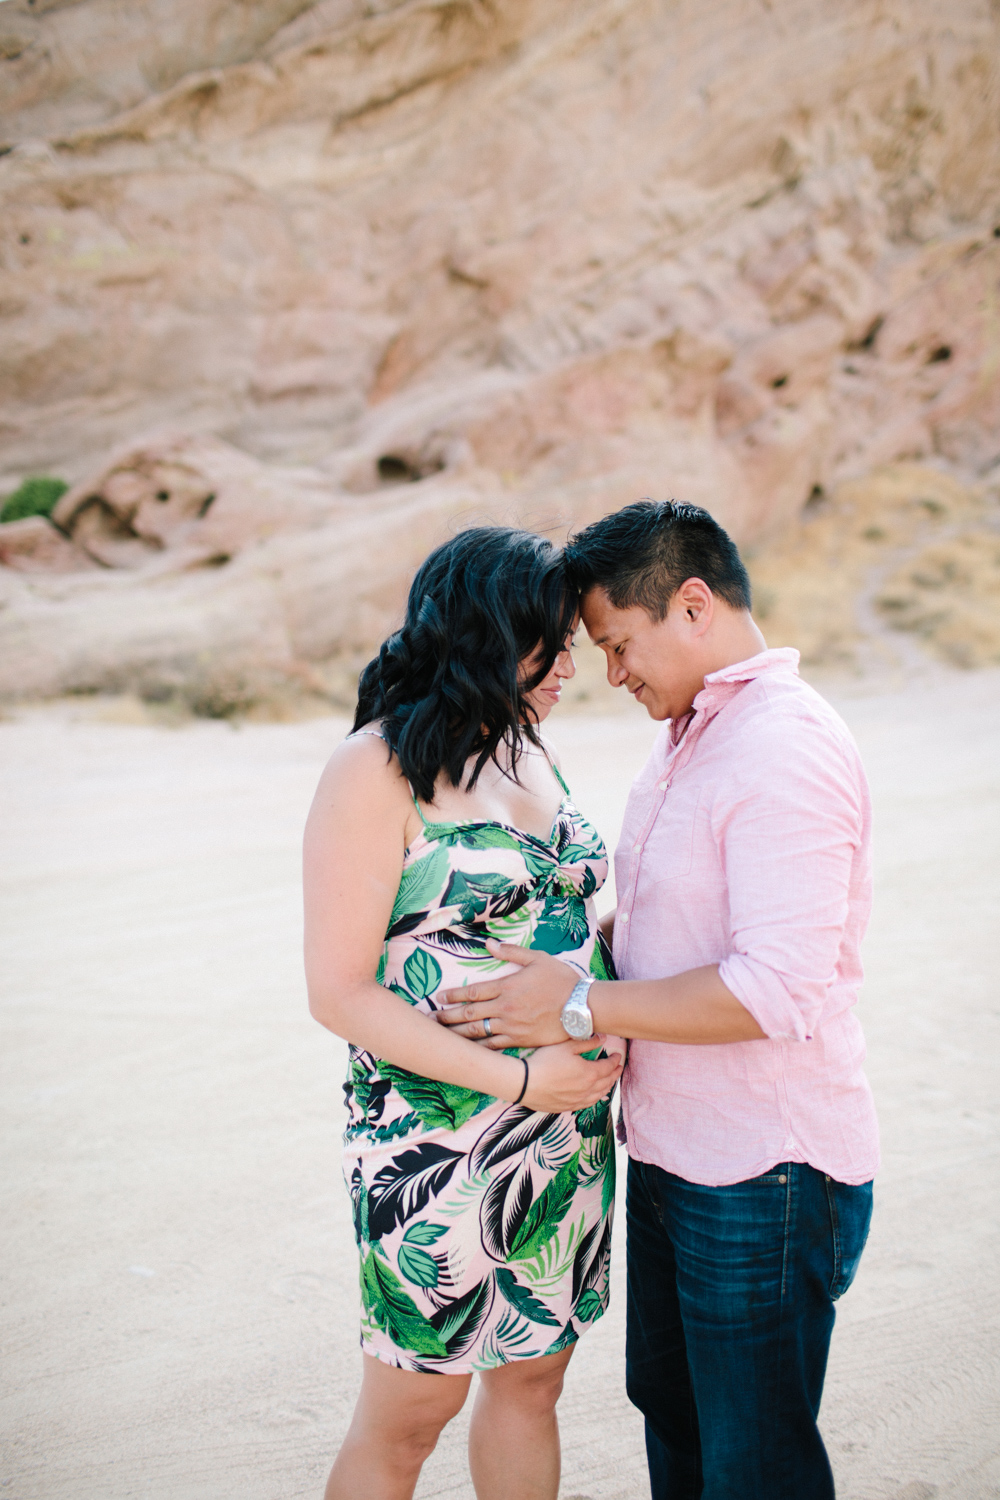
(434, 260)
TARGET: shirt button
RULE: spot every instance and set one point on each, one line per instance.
(662, 786)
(624, 917)
(636, 848)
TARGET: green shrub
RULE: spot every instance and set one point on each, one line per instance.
(35, 497)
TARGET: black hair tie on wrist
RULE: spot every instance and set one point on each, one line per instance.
(524, 1085)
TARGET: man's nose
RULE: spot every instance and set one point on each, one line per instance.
(616, 673)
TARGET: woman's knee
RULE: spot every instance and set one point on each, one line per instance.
(409, 1436)
(410, 1443)
(533, 1387)
(406, 1413)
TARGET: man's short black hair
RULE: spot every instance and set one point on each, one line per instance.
(645, 552)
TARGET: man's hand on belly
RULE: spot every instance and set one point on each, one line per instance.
(694, 1008)
(523, 1009)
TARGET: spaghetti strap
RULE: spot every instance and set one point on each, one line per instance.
(420, 811)
(558, 775)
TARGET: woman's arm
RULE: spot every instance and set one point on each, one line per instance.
(353, 859)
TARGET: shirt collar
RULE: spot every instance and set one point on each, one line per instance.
(756, 666)
(725, 684)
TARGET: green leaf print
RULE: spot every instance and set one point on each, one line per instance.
(393, 1310)
(594, 1153)
(439, 1105)
(509, 1337)
(366, 1283)
(397, 1129)
(575, 854)
(420, 883)
(568, 1336)
(405, 1185)
(608, 1184)
(460, 1319)
(563, 924)
(489, 885)
(422, 973)
(520, 1298)
(472, 893)
(511, 927)
(547, 1212)
(380, 971)
(589, 1305)
(488, 836)
(359, 1203)
(417, 1266)
(466, 1194)
(602, 965)
(593, 1120)
(537, 864)
(361, 1082)
(423, 1233)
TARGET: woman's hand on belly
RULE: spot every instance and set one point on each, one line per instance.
(559, 1079)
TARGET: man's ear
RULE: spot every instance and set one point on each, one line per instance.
(697, 603)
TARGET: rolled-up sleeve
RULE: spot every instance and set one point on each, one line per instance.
(788, 829)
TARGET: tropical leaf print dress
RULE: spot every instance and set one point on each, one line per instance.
(484, 1228)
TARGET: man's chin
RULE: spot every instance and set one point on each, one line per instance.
(649, 703)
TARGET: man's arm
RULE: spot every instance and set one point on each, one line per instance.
(695, 1008)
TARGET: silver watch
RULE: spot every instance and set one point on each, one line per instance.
(576, 1017)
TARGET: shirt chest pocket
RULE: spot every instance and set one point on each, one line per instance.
(668, 852)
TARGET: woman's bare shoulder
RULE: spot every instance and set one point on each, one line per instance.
(363, 766)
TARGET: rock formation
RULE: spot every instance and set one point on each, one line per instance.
(365, 271)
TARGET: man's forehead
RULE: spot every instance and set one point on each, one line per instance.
(604, 621)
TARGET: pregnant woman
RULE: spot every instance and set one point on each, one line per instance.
(482, 1181)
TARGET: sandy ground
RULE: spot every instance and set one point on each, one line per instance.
(179, 1280)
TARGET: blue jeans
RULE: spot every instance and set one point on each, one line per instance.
(730, 1312)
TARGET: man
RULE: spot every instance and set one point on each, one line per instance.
(744, 889)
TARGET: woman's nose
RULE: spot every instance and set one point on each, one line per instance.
(565, 665)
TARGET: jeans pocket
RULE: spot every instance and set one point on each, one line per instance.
(850, 1219)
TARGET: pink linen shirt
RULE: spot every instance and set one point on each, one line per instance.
(747, 843)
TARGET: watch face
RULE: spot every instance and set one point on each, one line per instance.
(576, 1022)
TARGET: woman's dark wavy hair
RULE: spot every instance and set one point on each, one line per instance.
(446, 686)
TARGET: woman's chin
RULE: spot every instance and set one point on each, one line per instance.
(541, 707)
